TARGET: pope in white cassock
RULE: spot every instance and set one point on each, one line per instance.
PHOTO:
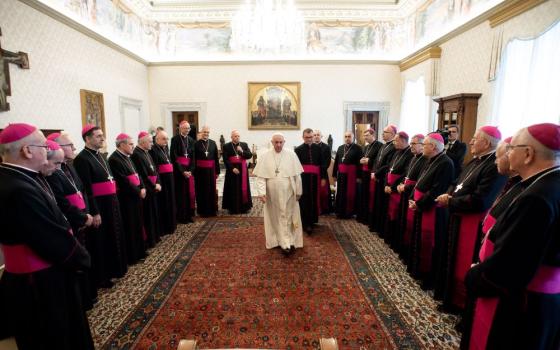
(279, 187)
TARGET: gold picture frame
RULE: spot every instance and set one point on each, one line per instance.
(274, 105)
(93, 109)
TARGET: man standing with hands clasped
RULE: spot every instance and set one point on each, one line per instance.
(279, 188)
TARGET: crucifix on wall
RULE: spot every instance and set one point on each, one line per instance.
(7, 57)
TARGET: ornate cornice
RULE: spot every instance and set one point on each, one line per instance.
(514, 8)
(419, 57)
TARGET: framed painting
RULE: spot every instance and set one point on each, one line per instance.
(274, 105)
(93, 109)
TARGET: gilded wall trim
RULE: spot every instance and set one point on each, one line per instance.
(515, 8)
(424, 55)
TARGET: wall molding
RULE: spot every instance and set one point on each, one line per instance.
(130, 103)
(513, 9)
(419, 57)
(167, 109)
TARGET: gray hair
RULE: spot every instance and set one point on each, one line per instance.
(277, 134)
(120, 142)
(540, 149)
(437, 145)
(491, 140)
(11, 149)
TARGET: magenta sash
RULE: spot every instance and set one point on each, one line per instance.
(153, 179)
(20, 258)
(466, 242)
(165, 168)
(244, 176)
(184, 160)
(487, 246)
(103, 188)
(394, 198)
(315, 169)
(350, 171)
(365, 168)
(77, 200)
(546, 280)
(409, 218)
(134, 179)
(205, 164)
(427, 234)
(372, 183)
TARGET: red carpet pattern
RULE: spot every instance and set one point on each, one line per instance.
(226, 290)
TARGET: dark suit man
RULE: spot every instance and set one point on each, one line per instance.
(455, 149)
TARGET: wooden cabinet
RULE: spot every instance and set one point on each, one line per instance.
(461, 110)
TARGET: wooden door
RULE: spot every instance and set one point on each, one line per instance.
(363, 120)
(190, 116)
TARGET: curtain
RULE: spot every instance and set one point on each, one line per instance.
(415, 108)
(527, 89)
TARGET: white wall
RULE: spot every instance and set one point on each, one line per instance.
(465, 59)
(222, 89)
(63, 61)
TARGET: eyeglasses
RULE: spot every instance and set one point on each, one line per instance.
(416, 143)
(42, 146)
(511, 147)
(387, 132)
(67, 145)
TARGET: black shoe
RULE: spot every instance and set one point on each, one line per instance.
(286, 251)
(309, 230)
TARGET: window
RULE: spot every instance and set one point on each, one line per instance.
(415, 108)
(528, 84)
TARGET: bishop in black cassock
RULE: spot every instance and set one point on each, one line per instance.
(477, 187)
(206, 172)
(406, 215)
(106, 243)
(146, 168)
(371, 150)
(346, 171)
(39, 298)
(395, 176)
(131, 192)
(167, 209)
(70, 197)
(325, 190)
(456, 150)
(520, 280)
(434, 180)
(378, 210)
(182, 157)
(314, 172)
(237, 190)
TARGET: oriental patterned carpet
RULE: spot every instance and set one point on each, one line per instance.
(214, 281)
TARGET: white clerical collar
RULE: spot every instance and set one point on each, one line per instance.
(92, 150)
(21, 167)
(124, 155)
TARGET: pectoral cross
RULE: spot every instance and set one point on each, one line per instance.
(151, 167)
(458, 188)
(6, 57)
(343, 159)
(206, 153)
(391, 170)
(110, 178)
(186, 155)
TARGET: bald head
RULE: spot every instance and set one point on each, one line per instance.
(235, 136)
(317, 136)
(162, 139)
(348, 137)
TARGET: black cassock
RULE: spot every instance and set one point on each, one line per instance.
(427, 250)
(347, 171)
(147, 170)
(129, 186)
(366, 186)
(206, 171)
(315, 170)
(182, 157)
(456, 152)
(167, 209)
(521, 277)
(512, 189)
(325, 191)
(477, 187)
(406, 215)
(39, 296)
(237, 190)
(70, 197)
(106, 243)
(396, 175)
(380, 168)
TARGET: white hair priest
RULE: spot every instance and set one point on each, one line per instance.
(279, 187)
